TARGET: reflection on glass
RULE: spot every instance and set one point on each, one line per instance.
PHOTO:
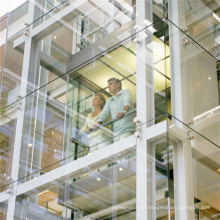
(6, 148)
(199, 21)
(106, 190)
(160, 179)
(199, 74)
(58, 109)
(204, 163)
(3, 209)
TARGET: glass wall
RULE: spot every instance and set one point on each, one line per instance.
(3, 209)
(199, 88)
(110, 193)
(6, 141)
(160, 178)
(59, 93)
(199, 22)
(203, 167)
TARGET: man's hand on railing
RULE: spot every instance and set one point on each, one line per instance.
(120, 114)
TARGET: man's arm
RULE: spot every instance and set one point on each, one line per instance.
(127, 103)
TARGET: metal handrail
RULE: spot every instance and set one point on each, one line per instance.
(116, 119)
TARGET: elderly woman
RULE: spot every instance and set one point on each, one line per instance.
(99, 138)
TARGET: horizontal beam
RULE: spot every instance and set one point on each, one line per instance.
(52, 65)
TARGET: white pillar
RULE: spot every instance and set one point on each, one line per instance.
(20, 117)
(175, 64)
(183, 182)
(145, 110)
(183, 175)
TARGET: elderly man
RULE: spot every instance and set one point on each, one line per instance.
(117, 106)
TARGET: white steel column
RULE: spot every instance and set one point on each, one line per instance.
(152, 176)
(20, 118)
(175, 65)
(145, 109)
(183, 180)
(183, 174)
(41, 103)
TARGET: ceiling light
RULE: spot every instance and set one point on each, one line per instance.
(29, 145)
(54, 37)
(55, 150)
(218, 170)
(209, 78)
(4, 174)
(98, 179)
(120, 169)
(52, 132)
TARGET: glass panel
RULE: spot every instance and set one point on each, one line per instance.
(162, 77)
(197, 71)
(203, 159)
(17, 19)
(160, 178)
(208, 124)
(6, 145)
(11, 76)
(89, 83)
(3, 210)
(206, 169)
(85, 23)
(105, 189)
(94, 19)
(56, 107)
(199, 22)
(43, 128)
(40, 10)
(59, 40)
(57, 111)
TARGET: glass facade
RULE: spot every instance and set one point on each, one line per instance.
(148, 71)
